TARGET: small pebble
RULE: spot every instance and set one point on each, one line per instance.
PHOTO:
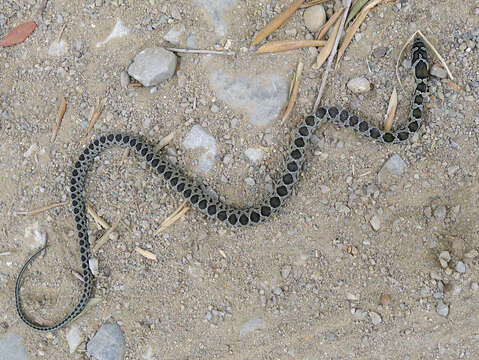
(375, 318)
(214, 108)
(460, 267)
(379, 52)
(385, 300)
(285, 270)
(152, 66)
(314, 17)
(438, 71)
(442, 309)
(359, 85)
(124, 80)
(375, 223)
(440, 212)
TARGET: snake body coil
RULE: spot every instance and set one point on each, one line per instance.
(212, 208)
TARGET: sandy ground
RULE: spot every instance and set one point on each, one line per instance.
(316, 277)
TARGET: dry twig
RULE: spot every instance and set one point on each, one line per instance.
(294, 92)
(61, 112)
(42, 209)
(199, 51)
(105, 237)
(146, 253)
(326, 51)
(178, 213)
(97, 110)
(285, 45)
(331, 57)
(101, 224)
(329, 23)
(277, 22)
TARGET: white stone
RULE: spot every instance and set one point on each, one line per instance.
(442, 309)
(460, 267)
(359, 85)
(152, 66)
(314, 17)
(175, 34)
(119, 30)
(199, 138)
(375, 318)
(375, 222)
(58, 48)
(255, 155)
(73, 338)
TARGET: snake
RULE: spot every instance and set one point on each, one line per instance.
(192, 191)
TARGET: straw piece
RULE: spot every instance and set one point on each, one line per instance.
(101, 224)
(146, 253)
(42, 209)
(105, 237)
(393, 103)
(277, 22)
(329, 23)
(286, 45)
(326, 51)
(200, 51)
(61, 112)
(94, 117)
(294, 92)
(354, 27)
(170, 220)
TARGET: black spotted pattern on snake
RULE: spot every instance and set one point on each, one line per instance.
(212, 208)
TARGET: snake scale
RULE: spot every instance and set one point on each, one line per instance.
(212, 208)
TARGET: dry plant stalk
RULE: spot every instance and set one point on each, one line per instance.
(95, 116)
(285, 45)
(42, 209)
(312, 3)
(170, 220)
(165, 141)
(101, 224)
(105, 237)
(393, 104)
(146, 253)
(294, 92)
(355, 8)
(329, 23)
(354, 27)
(277, 22)
(326, 51)
(61, 112)
(200, 51)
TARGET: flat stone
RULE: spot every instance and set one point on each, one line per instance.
(251, 325)
(198, 138)
(261, 97)
(108, 343)
(438, 71)
(359, 85)
(379, 52)
(314, 17)
(442, 309)
(216, 11)
(11, 348)
(152, 66)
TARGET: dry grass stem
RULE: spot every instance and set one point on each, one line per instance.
(326, 51)
(330, 60)
(286, 45)
(355, 8)
(61, 112)
(105, 237)
(165, 141)
(393, 104)
(294, 92)
(77, 275)
(95, 116)
(199, 51)
(170, 220)
(42, 209)
(277, 22)
(354, 27)
(61, 33)
(329, 23)
(101, 224)
(312, 3)
(146, 253)
(5, 253)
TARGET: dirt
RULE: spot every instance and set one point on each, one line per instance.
(209, 280)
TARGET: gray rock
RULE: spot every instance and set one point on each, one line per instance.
(108, 343)
(215, 10)
(460, 267)
(438, 71)
(359, 85)
(440, 212)
(261, 97)
(393, 167)
(251, 325)
(314, 17)
(442, 309)
(175, 35)
(375, 318)
(152, 66)
(379, 52)
(11, 348)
